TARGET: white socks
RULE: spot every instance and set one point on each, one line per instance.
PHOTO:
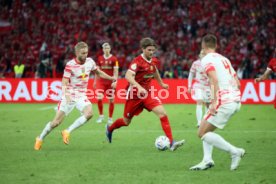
(198, 113)
(78, 122)
(45, 131)
(217, 141)
(207, 151)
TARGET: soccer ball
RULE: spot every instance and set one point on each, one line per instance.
(162, 143)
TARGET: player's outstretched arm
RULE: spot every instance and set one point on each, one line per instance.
(159, 80)
(264, 76)
(116, 70)
(238, 82)
(212, 75)
(190, 80)
(65, 82)
(103, 75)
(130, 77)
(115, 74)
(95, 80)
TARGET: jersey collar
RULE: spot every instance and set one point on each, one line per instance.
(149, 61)
(76, 61)
(110, 55)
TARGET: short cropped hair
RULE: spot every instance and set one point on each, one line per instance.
(80, 45)
(210, 41)
(145, 42)
(105, 45)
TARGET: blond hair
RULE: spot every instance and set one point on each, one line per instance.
(80, 45)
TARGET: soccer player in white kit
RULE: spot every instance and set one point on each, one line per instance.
(225, 102)
(74, 87)
(200, 89)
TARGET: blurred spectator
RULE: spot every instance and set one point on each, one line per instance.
(19, 69)
(240, 71)
(2, 68)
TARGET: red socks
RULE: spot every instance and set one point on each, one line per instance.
(117, 124)
(100, 107)
(111, 109)
(166, 127)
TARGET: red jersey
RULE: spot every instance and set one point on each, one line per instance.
(144, 71)
(107, 65)
(272, 65)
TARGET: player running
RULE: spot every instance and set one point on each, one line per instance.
(225, 103)
(74, 86)
(139, 75)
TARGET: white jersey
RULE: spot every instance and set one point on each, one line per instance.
(228, 88)
(78, 74)
(198, 74)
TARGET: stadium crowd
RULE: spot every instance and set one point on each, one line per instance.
(43, 32)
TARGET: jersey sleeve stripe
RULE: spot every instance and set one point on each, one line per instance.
(131, 70)
(210, 68)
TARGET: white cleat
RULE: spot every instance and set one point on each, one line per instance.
(109, 121)
(204, 165)
(176, 144)
(236, 158)
(100, 119)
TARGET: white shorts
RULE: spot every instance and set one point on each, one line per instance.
(80, 104)
(224, 112)
(203, 94)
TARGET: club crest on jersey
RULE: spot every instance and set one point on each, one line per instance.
(133, 66)
(83, 75)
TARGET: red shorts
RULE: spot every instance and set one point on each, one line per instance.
(134, 107)
(105, 89)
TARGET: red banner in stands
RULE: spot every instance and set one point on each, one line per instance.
(49, 91)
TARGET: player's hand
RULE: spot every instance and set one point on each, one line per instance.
(68, 99)
(189, 90)
(142, 91)
(165, 86)
(212, 109)
(94, 85)
(257, 80)
(114, 84)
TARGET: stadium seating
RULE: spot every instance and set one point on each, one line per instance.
(244, 28)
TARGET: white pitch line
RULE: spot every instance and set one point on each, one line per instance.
(189, 131)
(47, 108)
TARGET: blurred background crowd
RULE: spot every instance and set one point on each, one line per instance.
(40, 34)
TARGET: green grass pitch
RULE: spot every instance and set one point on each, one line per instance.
(132, 157)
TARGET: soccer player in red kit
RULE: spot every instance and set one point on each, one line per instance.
(139, 75)
(271, 67)
(109, 64)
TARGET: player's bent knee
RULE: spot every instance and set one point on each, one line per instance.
(200, 133)
(55, 123)
(162, 114)
(88, 115)
(199, 102)
(127, 121)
